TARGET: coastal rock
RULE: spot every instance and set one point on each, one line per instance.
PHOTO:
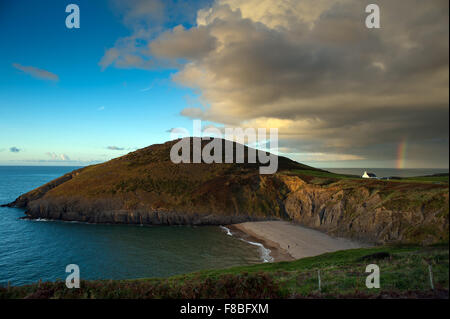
(145, 187)
(360, 213)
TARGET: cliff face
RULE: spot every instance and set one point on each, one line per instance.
(145, 187)
(371, 210)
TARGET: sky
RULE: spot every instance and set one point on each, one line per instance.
(340, 94)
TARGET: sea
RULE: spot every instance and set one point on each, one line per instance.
(33, 250)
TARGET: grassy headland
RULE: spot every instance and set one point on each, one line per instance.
(145, 187)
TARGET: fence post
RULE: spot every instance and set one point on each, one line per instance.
(431, 276)
(318, 275)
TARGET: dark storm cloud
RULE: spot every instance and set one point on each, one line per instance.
(312, 69)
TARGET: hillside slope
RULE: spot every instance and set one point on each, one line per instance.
(145, 187)
(405, 274)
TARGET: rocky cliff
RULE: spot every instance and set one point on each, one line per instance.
(145, 187)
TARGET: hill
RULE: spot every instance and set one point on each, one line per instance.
(145, 187)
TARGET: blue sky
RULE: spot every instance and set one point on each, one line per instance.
(340, 94)
(87, 109)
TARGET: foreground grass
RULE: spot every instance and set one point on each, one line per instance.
(403, 273)
(443, 178)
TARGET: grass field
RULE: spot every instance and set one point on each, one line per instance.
(404, 273)
(441, 178)
(324, 174)
(431, 179)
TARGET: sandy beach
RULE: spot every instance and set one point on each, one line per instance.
(290, 241)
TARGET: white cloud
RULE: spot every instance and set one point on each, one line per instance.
(58, 157)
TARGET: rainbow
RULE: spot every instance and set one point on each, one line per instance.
(401, 154)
